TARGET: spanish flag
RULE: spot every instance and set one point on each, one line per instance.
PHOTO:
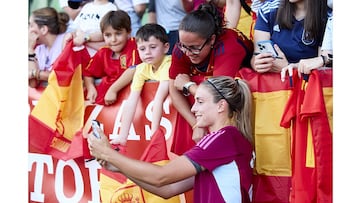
(293, 143)
(310, 120)
(272, 170)
(56, 121)
(116, 188)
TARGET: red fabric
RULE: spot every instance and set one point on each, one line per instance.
(263, 82)
(267, 188)
(271, 189)
(182, 140)
(155, 151)
(306, 105)
(65, 141)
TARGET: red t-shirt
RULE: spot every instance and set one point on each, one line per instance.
(103, 66)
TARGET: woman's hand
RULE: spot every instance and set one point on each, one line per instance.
(306, 65)
(287, 69)
(99, 147)
(181, 80)
(33, 37)
(280, 62)
(263, 62)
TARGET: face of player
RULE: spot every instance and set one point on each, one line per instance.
(194, 46)
(204, 108)
(152, 51)
(115, 39)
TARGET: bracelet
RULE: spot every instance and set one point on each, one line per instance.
(194, 126)
(32, 55)
(324, 60)
(32, 59)
(87, 38)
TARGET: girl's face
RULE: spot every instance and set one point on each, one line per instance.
(194, 46)
(115, 39)
(152, 51)
(204, 108)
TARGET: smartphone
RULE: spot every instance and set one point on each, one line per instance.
(95, 125)
(267, 46)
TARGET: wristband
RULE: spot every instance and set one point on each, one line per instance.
(32, 55)
(186, 87)
(324, 60)
(87, 38)
(327, 60)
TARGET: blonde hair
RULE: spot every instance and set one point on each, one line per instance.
(237, 94)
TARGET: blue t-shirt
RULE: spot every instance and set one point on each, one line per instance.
(292, 42)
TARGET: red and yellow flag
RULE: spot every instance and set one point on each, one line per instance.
(117, 189)
(309, 118)
(272, 179)
(57, 119)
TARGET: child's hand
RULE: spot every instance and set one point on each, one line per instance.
(91, 95)
(110, 97)
(119, 140)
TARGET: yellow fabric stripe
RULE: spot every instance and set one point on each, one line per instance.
(272, 142)
(310, 154)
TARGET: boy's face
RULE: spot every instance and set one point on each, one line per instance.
(152, 51)
(115, 39)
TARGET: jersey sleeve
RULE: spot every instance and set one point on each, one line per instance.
(138, 78)
(179, 63)
(210, 151)
(164, 69)
(229, 55)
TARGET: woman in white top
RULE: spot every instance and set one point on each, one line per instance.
(46, 34)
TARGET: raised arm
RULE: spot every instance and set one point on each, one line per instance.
(160, 96)
(127, 117)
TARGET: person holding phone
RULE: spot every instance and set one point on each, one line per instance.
(295, 28)
(218, 168)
